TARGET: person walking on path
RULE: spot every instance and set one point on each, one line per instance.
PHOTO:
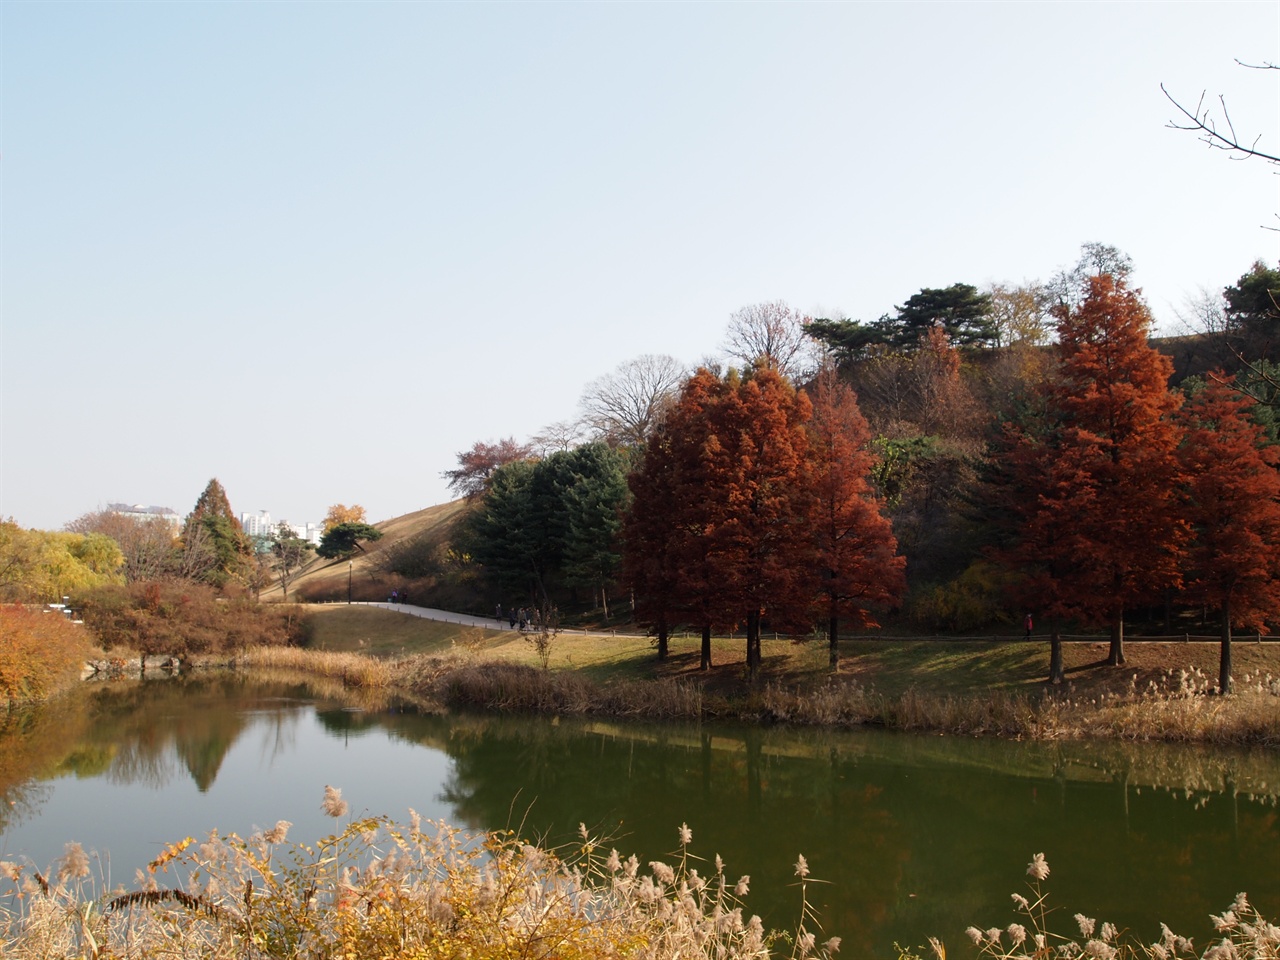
(1028, 624)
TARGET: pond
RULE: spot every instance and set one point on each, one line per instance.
(912, 835)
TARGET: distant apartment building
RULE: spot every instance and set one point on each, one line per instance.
(260, 524)
(140, 511)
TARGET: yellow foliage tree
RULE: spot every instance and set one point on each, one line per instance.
(340, 513)
(41, 566)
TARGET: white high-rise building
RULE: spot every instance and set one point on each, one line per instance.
(260, 524)
(257, 524)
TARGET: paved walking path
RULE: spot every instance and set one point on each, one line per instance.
(466, 619)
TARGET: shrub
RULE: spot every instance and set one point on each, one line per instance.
(181, 618)
(37, 650)
(970, 601)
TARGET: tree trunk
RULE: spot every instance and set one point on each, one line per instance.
(833, 638)
(1116, 656)
(753, 644)
(664, 645)
(1224, 658)
(1056, 672)
(705, 662)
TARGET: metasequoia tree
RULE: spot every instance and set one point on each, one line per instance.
(232, 550)
(756, 471)
(856, 551)
(622, 408)
(1097, 489)
(1234, 507)
(1117, 411)
(940, 402)
(666, 555)
(731, 469)
(1033, 495)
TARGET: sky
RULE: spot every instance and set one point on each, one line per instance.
(316, 250)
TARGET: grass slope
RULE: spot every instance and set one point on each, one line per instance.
(367, 566)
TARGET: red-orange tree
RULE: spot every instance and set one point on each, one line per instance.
(1118, 432)
(717, 534)
(1091, 482)
(755, 459)
(856, 551)
(1234, 508)
(664, 548)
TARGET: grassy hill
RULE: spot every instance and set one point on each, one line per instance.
(417, 535)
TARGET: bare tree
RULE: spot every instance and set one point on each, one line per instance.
(1069, 287)
(559, 436)
(288, 554)
(772, 331)
(196, 555)
(623, 408)
(1203, 312)
(1020, 314)
(147, 545)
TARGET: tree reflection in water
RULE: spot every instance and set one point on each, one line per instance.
(915, 835)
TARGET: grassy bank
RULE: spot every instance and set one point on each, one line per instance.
(966, 687)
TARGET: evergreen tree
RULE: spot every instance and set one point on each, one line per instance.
(594, 504)
(964, 313)
(211, 524)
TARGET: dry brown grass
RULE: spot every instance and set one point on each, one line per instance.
(382, 889)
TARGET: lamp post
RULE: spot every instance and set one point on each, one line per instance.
(349, 562)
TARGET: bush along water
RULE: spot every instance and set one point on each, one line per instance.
(378, 888)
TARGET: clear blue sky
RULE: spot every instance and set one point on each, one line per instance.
(316, 249)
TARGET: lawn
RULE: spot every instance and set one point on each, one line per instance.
(942, 667)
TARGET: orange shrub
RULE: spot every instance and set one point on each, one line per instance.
(37, 650)
(182, 617)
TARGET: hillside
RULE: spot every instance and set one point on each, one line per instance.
(369, 579)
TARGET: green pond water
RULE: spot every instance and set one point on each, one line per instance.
(911, 835)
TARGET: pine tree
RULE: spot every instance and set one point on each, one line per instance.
(1234, 508)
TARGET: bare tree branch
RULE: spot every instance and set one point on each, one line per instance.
(1201, 121)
